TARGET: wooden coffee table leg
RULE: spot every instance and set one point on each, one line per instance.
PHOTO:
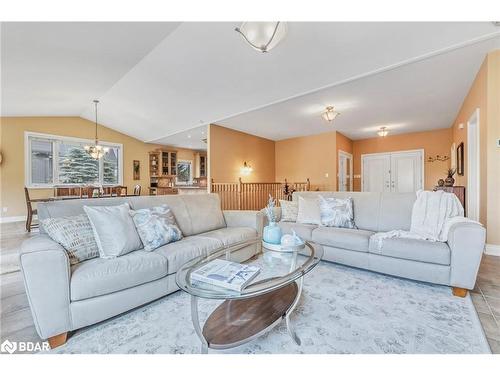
(195, 317)
(289, 325)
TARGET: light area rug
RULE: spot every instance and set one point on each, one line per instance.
(342, 310)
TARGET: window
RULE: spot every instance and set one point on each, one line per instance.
(42, 166)
(53, 160)
(184, 174)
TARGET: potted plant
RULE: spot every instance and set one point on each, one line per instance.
(449, 180)
(272, 232)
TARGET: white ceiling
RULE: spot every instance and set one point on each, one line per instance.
(57, 69)
(419, 96)
(158, 79)
(192, 138)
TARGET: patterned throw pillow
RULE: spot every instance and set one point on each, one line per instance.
(337, 212)
(289, 210)
(156, 226)
(75, 234)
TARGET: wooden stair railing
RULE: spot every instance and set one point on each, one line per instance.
(252, 195)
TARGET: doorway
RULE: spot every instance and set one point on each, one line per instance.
(473, 168)
(399, 172)
(345, 171)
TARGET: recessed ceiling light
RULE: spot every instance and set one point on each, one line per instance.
(329, 114)
(189, 135)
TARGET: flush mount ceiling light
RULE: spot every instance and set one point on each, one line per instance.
(96, 151)
(330, 114)
(383, 131)
(262, 36)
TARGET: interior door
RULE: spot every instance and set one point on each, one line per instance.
(376, 176)
(345, 171)
(406, 171)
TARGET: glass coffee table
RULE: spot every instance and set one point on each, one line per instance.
(260, 306)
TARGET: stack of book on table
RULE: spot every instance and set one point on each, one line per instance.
(225, 274)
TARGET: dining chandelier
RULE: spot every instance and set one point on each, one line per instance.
(96, 151)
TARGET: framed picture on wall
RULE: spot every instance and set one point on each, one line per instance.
(137, 170)
(460, 159)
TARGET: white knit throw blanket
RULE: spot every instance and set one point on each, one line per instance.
(433, 214)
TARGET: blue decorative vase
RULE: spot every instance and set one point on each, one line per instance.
(272, 233)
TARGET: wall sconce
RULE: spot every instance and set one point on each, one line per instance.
(246, 169)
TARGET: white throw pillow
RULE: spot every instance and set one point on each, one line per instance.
(289, 210)
(114, 230)
(337, 212)
(309, 212)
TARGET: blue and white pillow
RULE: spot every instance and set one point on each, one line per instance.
(156, 226)
(336, 212)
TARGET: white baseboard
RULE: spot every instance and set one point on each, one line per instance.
(492, 250)
(12, 219)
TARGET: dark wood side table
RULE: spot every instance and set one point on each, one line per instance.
(459, 191)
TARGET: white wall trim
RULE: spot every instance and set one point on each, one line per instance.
(492, 250)
(12, 219)
(473, 163)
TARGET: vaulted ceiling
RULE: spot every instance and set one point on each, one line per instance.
(155, 80)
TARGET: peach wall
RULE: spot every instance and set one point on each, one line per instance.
(229, 149)
(12, 147)
(484, 94)
(343, 144)
(493, 152)
(436, 142)
(476, 98)
(312, 157)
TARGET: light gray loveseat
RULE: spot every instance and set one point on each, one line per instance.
(454, 263)
(64, 298)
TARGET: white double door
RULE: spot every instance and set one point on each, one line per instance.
(393, 172)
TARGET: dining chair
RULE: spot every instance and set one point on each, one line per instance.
(31, 211)
(137, 190)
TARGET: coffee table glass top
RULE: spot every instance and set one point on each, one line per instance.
(277, 269)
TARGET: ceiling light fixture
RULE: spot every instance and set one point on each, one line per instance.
(383, 132)
(330, 114)
(96, 151)
(262, 36)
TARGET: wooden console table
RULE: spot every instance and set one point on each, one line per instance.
(459, 191)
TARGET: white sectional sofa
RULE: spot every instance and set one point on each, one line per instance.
(64, 298)
(454, 263)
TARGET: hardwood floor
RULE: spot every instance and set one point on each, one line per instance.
(16, 322)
